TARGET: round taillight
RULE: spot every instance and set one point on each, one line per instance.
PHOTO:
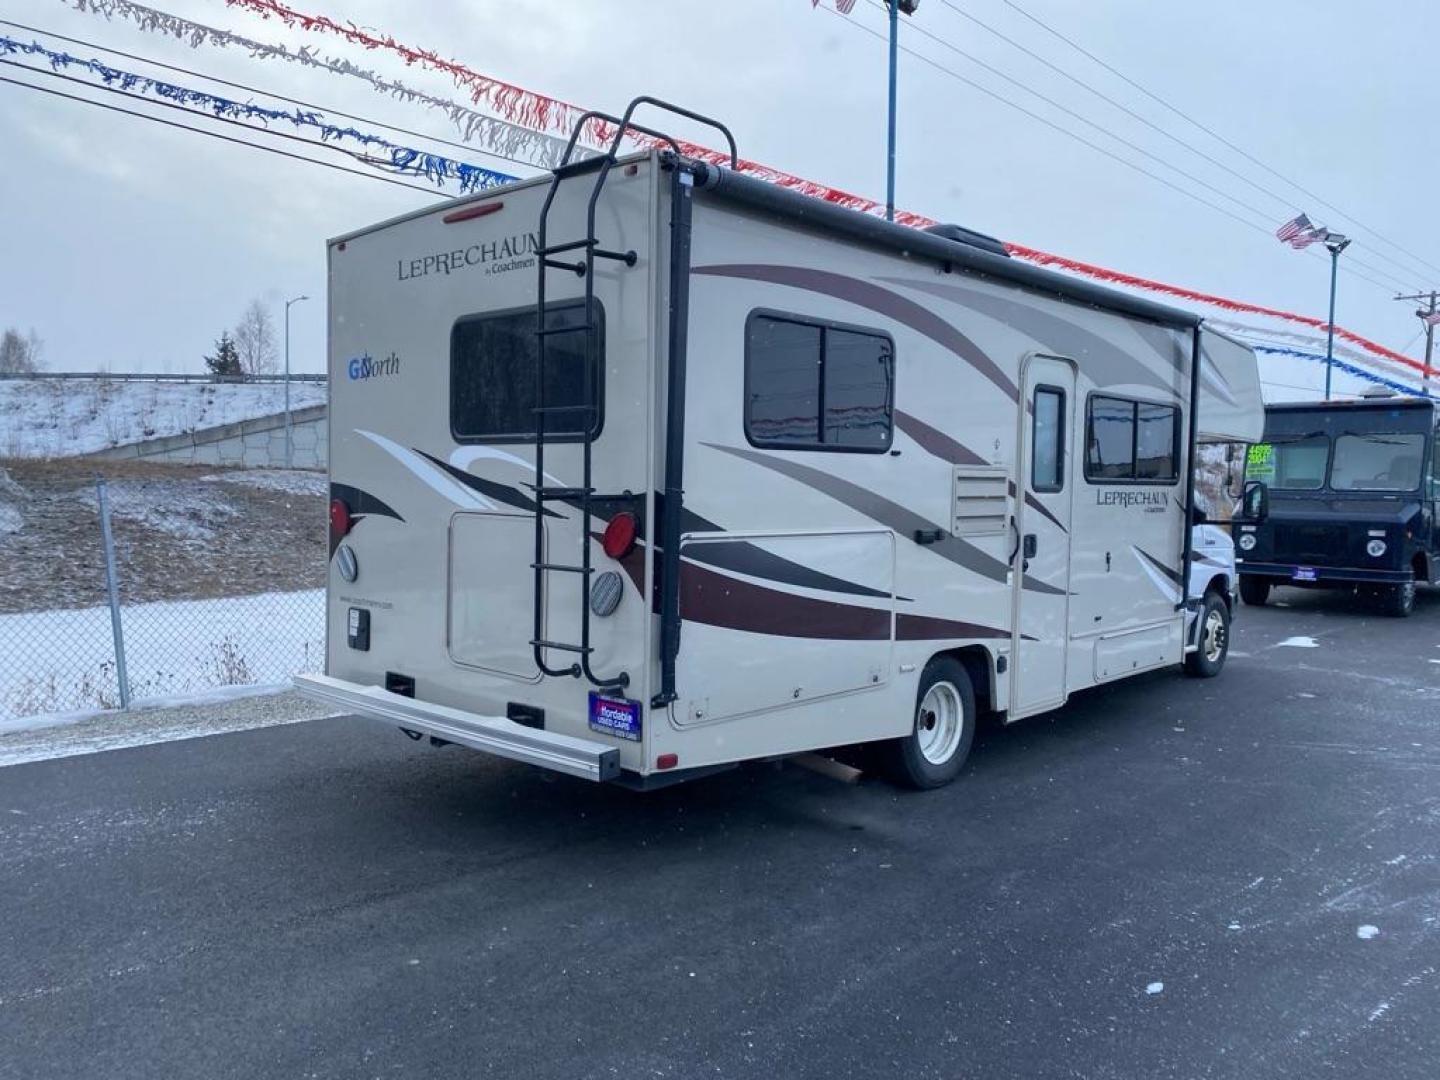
(618, 539)
(340, 520)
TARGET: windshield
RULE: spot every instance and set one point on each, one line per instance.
(1295, 463)
(1378, 461)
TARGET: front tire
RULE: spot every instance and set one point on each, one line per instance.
(1254, 590)
(1206, 661)
(1398, 601)
(934, 752)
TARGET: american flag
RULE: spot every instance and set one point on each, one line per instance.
(1430, 318)
(844, 7)
(1296, 226)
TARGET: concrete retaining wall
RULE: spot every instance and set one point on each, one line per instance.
(258, 443)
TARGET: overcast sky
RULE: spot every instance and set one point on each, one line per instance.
(131, 246)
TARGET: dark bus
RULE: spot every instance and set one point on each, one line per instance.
(1343, 495)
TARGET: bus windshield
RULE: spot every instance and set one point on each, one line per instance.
(1297, 464)
(1378, 461)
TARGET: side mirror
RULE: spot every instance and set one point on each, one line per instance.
(1255, 500)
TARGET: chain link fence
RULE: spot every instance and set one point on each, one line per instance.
(155, 581)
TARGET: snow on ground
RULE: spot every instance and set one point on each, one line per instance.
(65, 660)
(45, 418)
(288, 481)
(186, 513)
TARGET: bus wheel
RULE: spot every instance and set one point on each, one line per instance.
(1206, 661)
(1254, 590)
(1398, 601)
(935, 750)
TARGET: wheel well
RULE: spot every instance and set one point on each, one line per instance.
(978, 665)
(1220, 583)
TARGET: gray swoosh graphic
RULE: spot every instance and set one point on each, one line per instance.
(881, 301)
(890, 514)
(1104, 361)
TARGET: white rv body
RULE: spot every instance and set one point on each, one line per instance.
(815, 581)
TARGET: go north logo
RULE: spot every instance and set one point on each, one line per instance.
(367, 367)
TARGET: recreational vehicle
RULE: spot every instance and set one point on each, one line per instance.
(644, 468)
(1343, 495)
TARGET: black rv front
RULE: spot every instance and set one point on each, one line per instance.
(1343, 495)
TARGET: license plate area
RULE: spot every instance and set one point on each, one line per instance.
(615, 716)
(1303, 573)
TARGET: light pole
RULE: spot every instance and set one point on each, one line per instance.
(289, 444)
(1335, 244)
(896, 7)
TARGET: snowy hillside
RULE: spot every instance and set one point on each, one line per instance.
(47, 418)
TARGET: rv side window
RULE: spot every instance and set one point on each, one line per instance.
(1047, 463)
(1131, 440)
(817, 386)
(492, 374)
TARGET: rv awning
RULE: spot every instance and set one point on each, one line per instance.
(1231, 409)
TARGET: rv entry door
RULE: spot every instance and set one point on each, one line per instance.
(1041, 574)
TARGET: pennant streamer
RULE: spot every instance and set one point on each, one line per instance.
(1341, 365)
(433, 167)
(544, 114)
(488, 133)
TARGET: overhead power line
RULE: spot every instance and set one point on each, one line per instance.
(1213, 133)
(952, 73)
(216, 134)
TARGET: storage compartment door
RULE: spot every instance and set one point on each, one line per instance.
(750, 644)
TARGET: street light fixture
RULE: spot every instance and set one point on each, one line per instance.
(896, 8)
(289, 441)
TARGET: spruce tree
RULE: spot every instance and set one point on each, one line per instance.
(226, 361)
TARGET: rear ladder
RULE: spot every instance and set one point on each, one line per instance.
(583, 497)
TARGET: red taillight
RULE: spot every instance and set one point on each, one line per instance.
(619, 537)
(667, 761)
(340, 520)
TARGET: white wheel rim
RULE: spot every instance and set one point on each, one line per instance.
(939, 722)
(1214, 636)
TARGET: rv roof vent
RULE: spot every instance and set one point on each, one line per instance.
(1378, 391)
(962, 235)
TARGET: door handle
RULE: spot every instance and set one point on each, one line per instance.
(1031, 545)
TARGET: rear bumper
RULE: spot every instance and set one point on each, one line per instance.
(492, 734)
(1339, 575)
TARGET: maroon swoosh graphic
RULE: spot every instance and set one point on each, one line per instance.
(717, 600)
(881, 301)
(947, 449)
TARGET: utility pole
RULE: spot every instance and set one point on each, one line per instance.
(896, 7)
(1427, 316)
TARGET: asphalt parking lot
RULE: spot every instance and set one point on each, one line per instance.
(1169, 878)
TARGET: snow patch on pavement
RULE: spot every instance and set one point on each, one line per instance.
(1366, 932)
(1298, 643)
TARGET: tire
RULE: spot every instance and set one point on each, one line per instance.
(1398, 601)
(1254, 590)
(1206, 661)
(934, 752)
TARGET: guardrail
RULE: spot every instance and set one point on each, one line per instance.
(142, 376)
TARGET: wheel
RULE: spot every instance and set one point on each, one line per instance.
(1206, 661)
(1398, 601)
(935, 750)
(1254, 590)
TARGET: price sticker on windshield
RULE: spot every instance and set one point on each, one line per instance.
(1260, 462)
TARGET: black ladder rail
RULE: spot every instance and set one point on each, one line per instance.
(601, 165)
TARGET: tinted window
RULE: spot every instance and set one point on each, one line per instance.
(1377, 462)
(492, 374)
(1110, 440)
(817, 386)
(1156, 435)
(1131, 440)
(1047, 463)
(784, 382)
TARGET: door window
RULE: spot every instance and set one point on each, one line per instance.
(1047, 454)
